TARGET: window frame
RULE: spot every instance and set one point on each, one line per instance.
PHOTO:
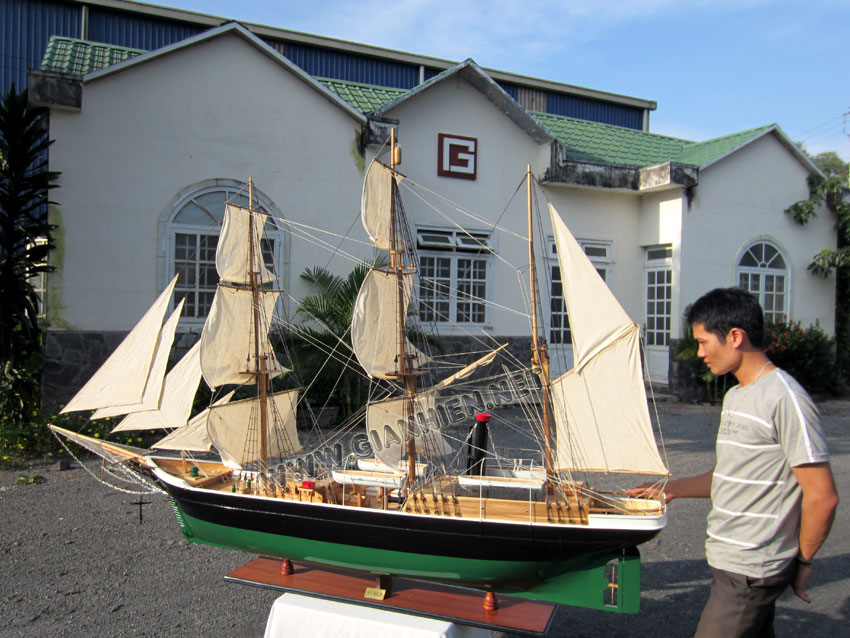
(762, 271)
(455, 249)
(658, 264)
(169, 229)
(602, 264)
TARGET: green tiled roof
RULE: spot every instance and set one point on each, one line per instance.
(583, 140)
(363, 97)
(78, 57)
(592, 141)
(701, 153)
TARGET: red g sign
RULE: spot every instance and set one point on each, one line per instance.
(456, 156)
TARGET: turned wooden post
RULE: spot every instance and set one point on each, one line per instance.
(286, 567)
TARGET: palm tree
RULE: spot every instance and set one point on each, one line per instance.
(322, 342)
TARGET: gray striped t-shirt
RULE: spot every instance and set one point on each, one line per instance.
(766, 428)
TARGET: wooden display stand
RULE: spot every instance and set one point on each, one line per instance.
(432, 600)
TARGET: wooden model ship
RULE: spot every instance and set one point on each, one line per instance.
(420, 507)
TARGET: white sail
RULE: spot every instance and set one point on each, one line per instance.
(601, 415)
(178, 393)
(193, 437)
(152, 395)
(596, 317)
(227, 351)
(467, 370)
(231, 425)
(122, 379)
(387, 428)
(374, 325)
(376, 202)
(234, 246)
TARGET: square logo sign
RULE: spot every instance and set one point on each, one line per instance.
(457, 156)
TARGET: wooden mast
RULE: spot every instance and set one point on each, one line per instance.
(405, 365)
(539, 352)
(260, 372)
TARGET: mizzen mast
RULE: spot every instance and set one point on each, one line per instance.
(539, 351)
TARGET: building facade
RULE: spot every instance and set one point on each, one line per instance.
(150, 144)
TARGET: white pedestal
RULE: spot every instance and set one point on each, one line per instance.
(294, 616)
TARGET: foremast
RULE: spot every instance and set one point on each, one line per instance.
(398, 268)
(260, 369)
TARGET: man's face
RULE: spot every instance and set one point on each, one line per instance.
(720, 356)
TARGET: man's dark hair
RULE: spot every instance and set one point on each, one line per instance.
(722, 309)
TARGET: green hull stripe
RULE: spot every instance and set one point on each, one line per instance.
(580, 582)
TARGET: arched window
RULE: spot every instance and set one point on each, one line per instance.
(192, 233)
(762, 270)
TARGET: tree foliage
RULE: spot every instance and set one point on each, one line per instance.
(25, 240)
(831, 190)
(25, 234)
(322, 342)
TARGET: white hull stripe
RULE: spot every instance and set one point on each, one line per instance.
(750, 417)
(747, 481)
(803, 425)
(732, 541)
(765, 446)
(749, 514)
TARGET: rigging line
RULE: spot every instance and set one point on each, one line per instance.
(478, 300)
(151, 489)
(410, 183)
(324, 245)
(654, 403)
(453, 223)
(307, 229)
(342, 239)
(533, 416)
(485, 221)
(331, 354)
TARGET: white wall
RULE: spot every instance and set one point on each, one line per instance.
(615, 216)
(504, 151)
(218, 109)
(741, 199)
(661, 216)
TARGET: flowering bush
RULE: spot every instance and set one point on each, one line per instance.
(807, 354)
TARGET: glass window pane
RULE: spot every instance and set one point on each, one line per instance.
(194, 215)
(212, 204)
(748, 260)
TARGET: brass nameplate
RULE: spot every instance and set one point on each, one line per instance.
(375, 593)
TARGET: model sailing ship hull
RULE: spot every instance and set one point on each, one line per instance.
(448, 548)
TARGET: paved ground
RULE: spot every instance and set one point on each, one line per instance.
(75, 561)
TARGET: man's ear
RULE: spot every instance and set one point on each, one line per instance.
(737, 337)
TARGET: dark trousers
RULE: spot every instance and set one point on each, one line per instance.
(741, 606)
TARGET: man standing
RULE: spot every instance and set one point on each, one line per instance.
(772, 490)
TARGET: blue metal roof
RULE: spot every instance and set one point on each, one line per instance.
(28, 24)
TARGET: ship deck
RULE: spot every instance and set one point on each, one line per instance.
(441, 497)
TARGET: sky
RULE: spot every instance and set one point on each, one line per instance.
(714, 67)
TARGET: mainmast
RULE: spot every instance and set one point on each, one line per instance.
(397, 266)
(539, 352)
(260, 370)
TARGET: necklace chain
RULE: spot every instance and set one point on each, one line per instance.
(763, 368)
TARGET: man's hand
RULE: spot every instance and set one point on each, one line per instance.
(649, 490)
(804, 572)
(698, 486)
